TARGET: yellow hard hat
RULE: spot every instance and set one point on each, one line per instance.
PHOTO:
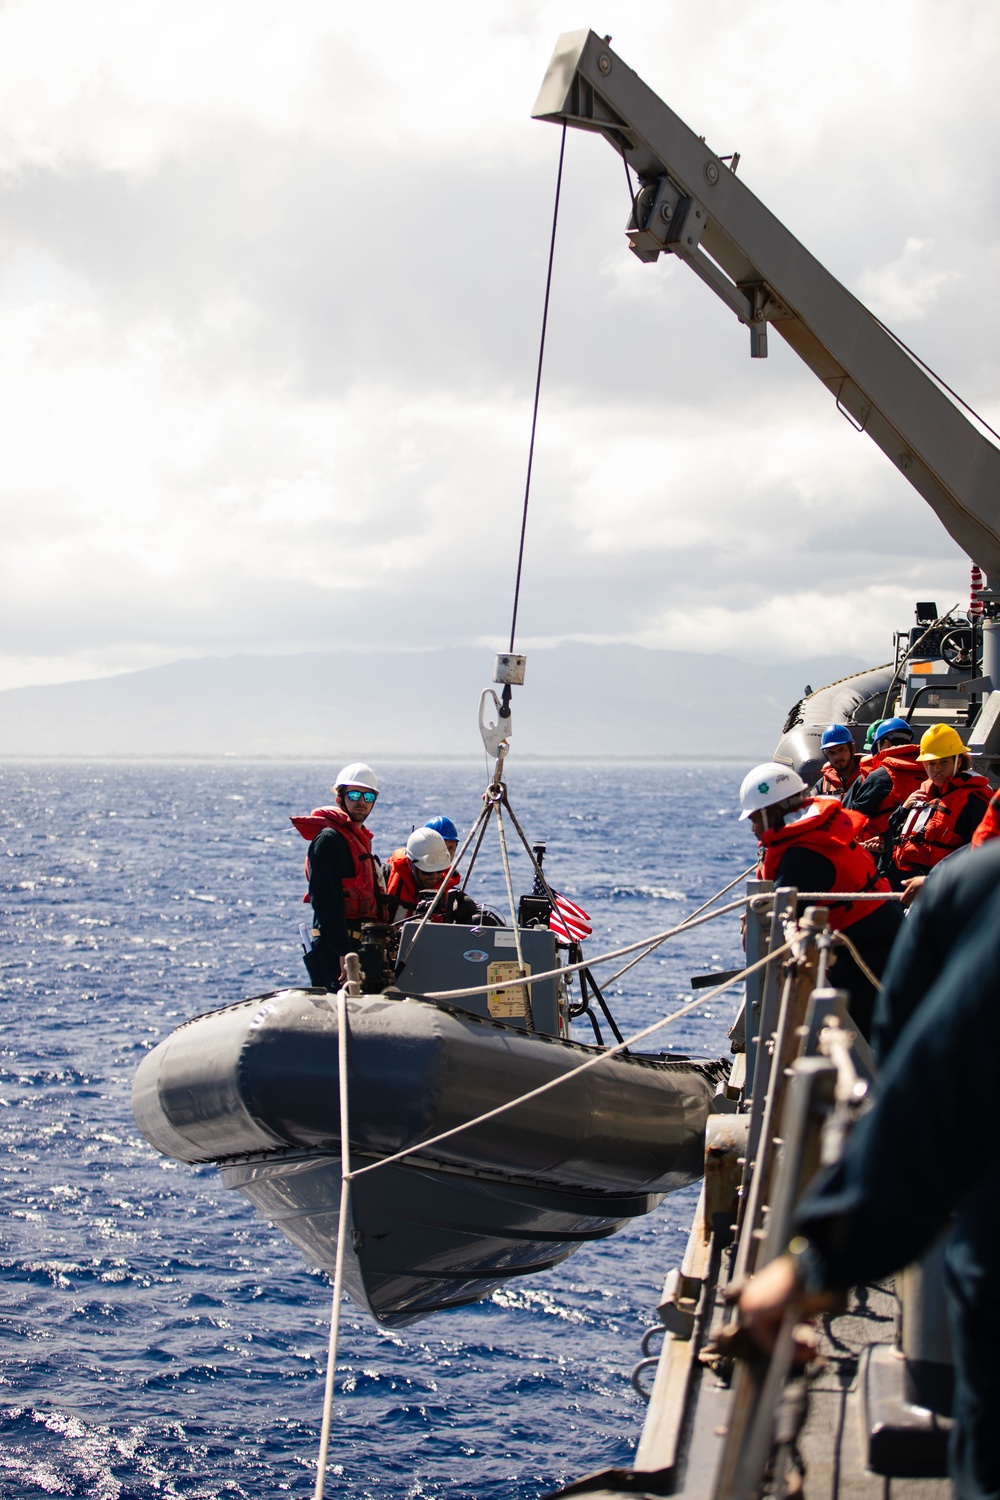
(940, 742)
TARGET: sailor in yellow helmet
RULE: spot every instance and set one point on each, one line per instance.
(945, 811)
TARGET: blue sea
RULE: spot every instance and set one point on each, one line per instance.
(158, 1339)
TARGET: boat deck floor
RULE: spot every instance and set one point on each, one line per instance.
(833, 1440)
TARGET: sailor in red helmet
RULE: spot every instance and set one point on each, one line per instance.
(345, 878)
(811, 843)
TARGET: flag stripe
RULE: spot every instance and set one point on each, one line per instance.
(569, 922)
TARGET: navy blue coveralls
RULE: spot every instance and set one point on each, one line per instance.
(930, 1150)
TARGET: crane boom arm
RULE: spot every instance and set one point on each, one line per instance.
(691, 204)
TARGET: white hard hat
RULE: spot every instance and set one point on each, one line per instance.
(426, 849)
(357, 774)
(767, 784)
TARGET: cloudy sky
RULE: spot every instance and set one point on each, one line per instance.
(270, 290)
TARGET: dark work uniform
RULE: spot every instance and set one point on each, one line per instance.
(954, 893)
(867, 796)
(929, 1150)
(873, 935)
(330, 863)
(870, 796)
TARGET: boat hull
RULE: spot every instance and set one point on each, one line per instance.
(421, 1241)
(857, 700)
(254, 1088)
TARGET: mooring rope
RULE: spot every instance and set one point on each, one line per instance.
(590, 1062)
(353, 986)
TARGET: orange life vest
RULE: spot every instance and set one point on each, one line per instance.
(833, 784)
(989, 828)
(929, 834)
(401, 884)
(830, 830)
(906, 774)
(363, 888)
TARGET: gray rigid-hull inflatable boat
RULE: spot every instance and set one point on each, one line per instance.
(254, 1089)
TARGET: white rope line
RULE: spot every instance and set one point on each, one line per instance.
(586, 963)
(649, 945)
(345, 1191)
(590, 1062)
(844, 896)
(696, 913)
(873, 979)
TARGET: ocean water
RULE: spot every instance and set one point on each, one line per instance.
(159, 1340)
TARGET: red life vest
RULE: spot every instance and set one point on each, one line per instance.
(989, 828)
(833, 784)
(830, 830)
(929, 834)
(362, 889)
(906, 774)
(401, 884)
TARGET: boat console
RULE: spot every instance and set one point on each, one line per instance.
(451, 957)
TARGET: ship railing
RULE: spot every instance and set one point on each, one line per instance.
(725, 1428)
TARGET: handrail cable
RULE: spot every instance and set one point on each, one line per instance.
(589, 1062)
(538, 388)
(873, 979)
(650, 944)
(603, 958)
(835, 898)
(697, 912)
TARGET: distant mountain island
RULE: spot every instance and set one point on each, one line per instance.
(578, 700)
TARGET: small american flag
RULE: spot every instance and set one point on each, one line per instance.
(569, 922)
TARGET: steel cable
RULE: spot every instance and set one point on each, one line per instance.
(538, 389)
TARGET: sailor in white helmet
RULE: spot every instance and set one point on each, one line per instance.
(417, 870)
(346, 887)
(812, 843)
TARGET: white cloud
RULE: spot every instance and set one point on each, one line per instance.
(270, 284)
(902, 290)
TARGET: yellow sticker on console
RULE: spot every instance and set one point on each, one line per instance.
(506, 1004)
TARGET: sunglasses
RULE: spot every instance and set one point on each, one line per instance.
(356, 796)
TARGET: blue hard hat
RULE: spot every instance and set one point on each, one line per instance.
(445, 827)
(836, 734)
(891, 726)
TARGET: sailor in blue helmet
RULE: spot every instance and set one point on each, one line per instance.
(446, 828)
(843, 763)
(925, 1160)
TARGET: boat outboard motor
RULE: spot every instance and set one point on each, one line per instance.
(377, 953)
